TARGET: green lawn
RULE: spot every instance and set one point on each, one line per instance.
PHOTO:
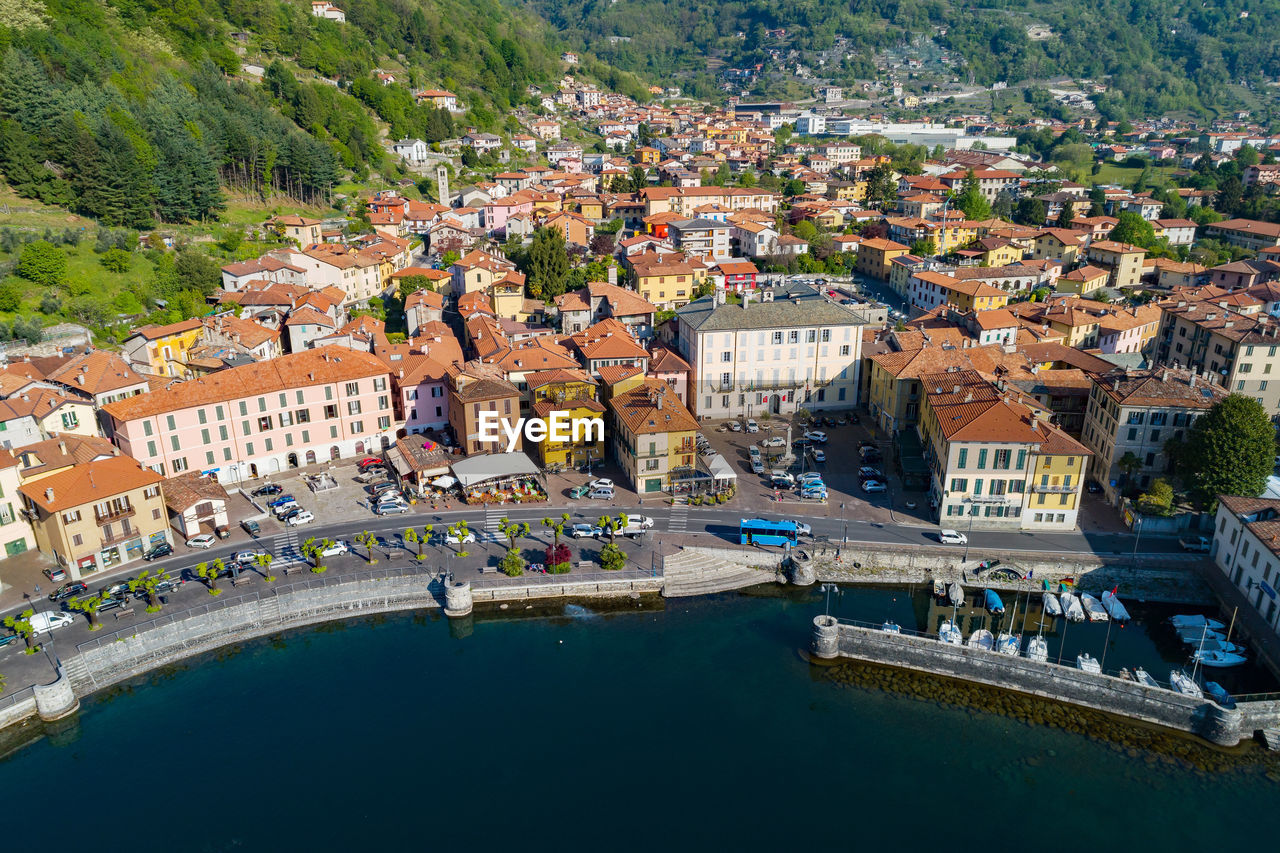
(1115, 173)
(85, 276)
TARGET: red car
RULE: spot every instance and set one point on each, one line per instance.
(368, 461)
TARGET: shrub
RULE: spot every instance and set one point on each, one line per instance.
(558, 568)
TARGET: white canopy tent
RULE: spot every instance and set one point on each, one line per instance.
(475, 470)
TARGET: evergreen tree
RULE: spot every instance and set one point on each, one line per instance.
(548, 263)
(970, 199)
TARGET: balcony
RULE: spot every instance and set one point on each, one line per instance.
(1062, 490)
(118, 536)
(115, 514)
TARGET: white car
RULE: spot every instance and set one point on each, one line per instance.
(48, 620)
(734, 426)
(951, 537)
(602, 483)
(246, 558)
(803, 529)
(452, 539)
(816, 436)
(874, 486)
(818, 454)
(304, 517)
(581, 531)
(810, 477)
(204, 540)
(391, 507)
(639, 521)
(776, 441)
(339, 547)
(753, 451)
(752, 426)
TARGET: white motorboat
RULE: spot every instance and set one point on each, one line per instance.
(1115, 609)
(1008, 644)
(1071, 607)
(1196, 622)
(1141, 676)
(1218, 659)
(1088, 663)
(1051, 605)
(1193, 636)
(950, 634)
(1038, 649)
(1093, 608)
(891, 627)
(955, 593)
(1220, 646)
(1185, 684)
(981, 639)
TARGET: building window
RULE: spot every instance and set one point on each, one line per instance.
(826, 336)
(222, 432)
(244, 409)
(1002, 459)
(264, 424)
(262, 404)
(357, 427)
(146, 427)
(384, 422)
(353, 388)
(200, 415)
(286, 419)
(180, 464)
(353, 407)
(173, 440)
(380, 383)
(777, 338)
(384, 402)
(330, 412)
(959, 484)
(982, 459)
(793, 336)
(151, 448)
(963, 459)
(844, 350)
(204, 436)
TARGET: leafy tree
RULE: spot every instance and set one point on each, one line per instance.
(313, 550)
(148, 584)
(882, 188)
(368, 540)
(612, 558)
(1230, 451)
(43, 263)
(1158, 500)
(1129, 465)
(209, 574)
(20, 624)
(925, 248)
(10, 296)
(1030, 211)
(1132, 228)
(971, 200)
(115, 260)
(1067, 214)
(512, 530)
(557, 526)
(548, 263)
(609, 525)
(89, 605)
(805, 230)
(412, 284)
(264, 561)
(512, 564)
(558, 557)
(411, 537)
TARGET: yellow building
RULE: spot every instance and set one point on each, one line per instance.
(996, 251)
(1084, 281)
(506, 295)
(563, 446)
(162, 350)
(995, 460)
(1059, 244)
(1123, 260)
(666, 281)
(653, 437)
(874, 257)
(97, 515)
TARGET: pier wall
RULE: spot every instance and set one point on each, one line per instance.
(1046, 680)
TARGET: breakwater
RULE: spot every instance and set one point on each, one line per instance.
(110, 658)
(832, 639)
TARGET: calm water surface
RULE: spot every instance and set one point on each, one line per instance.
(698, 725)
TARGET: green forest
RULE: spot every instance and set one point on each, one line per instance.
(1162, 55)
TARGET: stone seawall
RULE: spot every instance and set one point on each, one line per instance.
(1046, 680)
(111, 658)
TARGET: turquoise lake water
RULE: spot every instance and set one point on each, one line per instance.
(694, 724)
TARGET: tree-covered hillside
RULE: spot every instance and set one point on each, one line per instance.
(134, 111)
(1161, 55)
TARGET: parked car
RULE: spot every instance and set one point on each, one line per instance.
(164, 549)
(757, 466)
(871, 486)
(55, 575)
(48, 620)
(866, 472)
(818, 454)
(753, 451)
(285, 509)
(9, 638)
(1196, 544)
(828, 422)
(203, 540)
(391, 508)
(600, 494)
(1093, 487)
(118, 589)
(304, 517)
(289, 513)
(247, 558)
(112, 603)
(854, 419)
(781, 480)
(281, 501)
(268, 490)
(67, 590)
(734, 426)
(371, 475)
(752, 426)
(816, 436)
(951, 537)
(809, 477)
(814, 493)
(643, 522)
(776, 441)
(338, 547)
(368, 461)
(803, 529)
(601, 483)
(453, 539)
(579, 492)
(584, 531)
(222, 532)
(251, 527)
(870, 454)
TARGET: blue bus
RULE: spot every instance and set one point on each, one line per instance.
(761, 531)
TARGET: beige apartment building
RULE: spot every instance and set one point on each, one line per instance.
(1240, 352)
(1123, 260)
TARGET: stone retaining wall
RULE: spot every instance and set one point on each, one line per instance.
(1050, 681)
(16, 712)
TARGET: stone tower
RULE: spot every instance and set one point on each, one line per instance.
(442, 184)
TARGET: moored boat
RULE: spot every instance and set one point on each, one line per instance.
(1038, 649)
(1093, 608)
(1051, 605)
(981, 639)
(1214, 645)
(1185, 684)
(1008, 644)
(1219, 660)
(950, 634)
(1088, 663)
(1071, 607)
(992, 601)
(1218, 694)
(891, 627)
(955, 593)
(1196, 621)
(1115, 609)
(940, 590)
(1141, 676)
(1193, 636)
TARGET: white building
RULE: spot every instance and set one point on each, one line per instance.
(413, 150)
(1245, 549)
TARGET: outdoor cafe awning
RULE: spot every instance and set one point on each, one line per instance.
(493, 466)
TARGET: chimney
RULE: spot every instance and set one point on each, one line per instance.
(1192, 382)
(62, 448)
(48, 495)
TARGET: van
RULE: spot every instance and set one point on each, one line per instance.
(46, 621)
(598, 494)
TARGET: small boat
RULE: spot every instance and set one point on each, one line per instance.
(1088, 663)
(950, 634)
(1071, 607)
(1114, 608)
(1141, 676)
(1126, 675)
(940, 590)
(1220, 660)
(1213, 645)
(1193, 636)
(1196, 621)
(1051, 605)
(1218, 694)
(955, 593)
(1184, 684)
(1009, 644)
(1093, 608)
(992, 602)
(981, 639)
(891, 627)
(1038, 649)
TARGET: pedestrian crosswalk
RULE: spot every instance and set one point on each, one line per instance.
(493, 518)
(284, 549)
(679, 520)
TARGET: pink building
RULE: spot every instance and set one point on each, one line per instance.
(498, 211)
(247, 422)
(422, 393)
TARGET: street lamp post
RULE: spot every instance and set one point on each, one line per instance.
(829, 588)
(1137, 537)
(844, 537)
(973, 507)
